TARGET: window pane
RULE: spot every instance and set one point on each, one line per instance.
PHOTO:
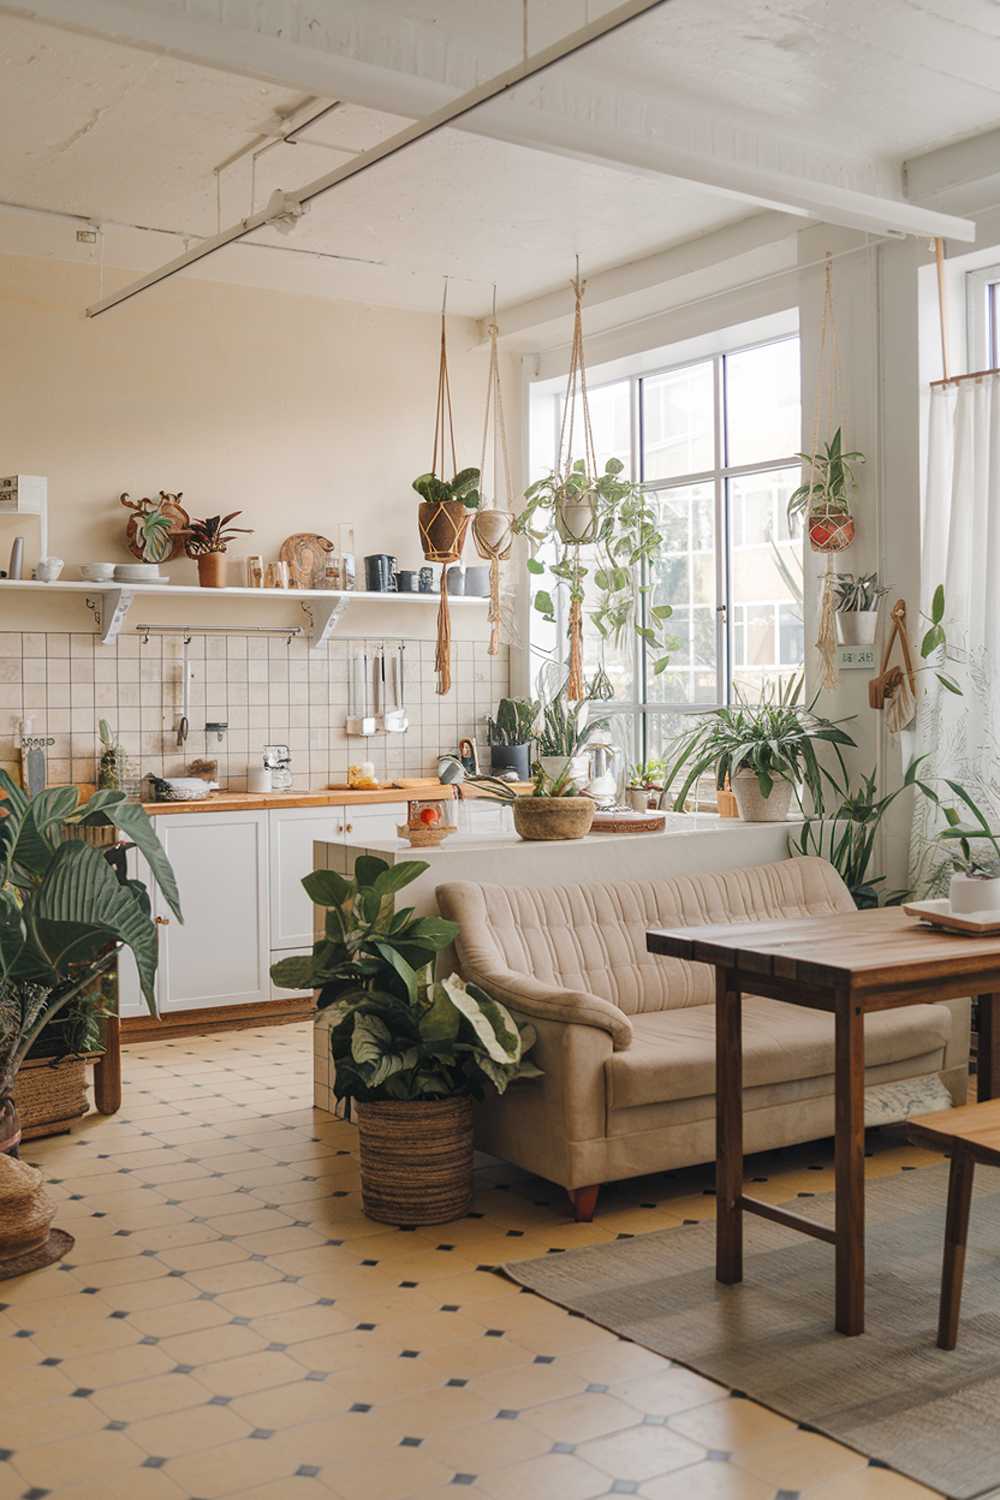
(678, 422)
(611, 423)
(768, 642)
(685, 578)
(763, 403)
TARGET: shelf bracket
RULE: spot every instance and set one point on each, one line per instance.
(110, 608)
(324, 616)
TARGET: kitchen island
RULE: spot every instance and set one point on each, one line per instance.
(690, 844)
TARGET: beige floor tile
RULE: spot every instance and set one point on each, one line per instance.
(487, 1445)
(731, 1423)
(668, 1391)
(262, 1301)
(577, 1418)
(867, 1484)
(643, 1452)
(248, 1372)
(52, 1466)
(164, 1321)
(135, 1400)
(116, 1366)
(174, 1433)
(557, 1474)
(208, 1345)
(710, 1481)
(795, 1460)
(130, 1484)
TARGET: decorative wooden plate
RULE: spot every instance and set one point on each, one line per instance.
(940, 914)
(306, 554)
(628, 822)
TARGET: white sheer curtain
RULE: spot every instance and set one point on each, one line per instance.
(961, 549)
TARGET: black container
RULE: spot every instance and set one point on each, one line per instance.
(407, 580)
(512, 758)
(380, 573)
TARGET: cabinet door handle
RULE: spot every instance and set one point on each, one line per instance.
(349, 828)
(162, 921)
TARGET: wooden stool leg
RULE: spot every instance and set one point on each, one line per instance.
(955, 1236)
(108, 1070)
(584, 1201)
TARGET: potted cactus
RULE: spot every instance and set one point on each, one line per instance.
(207, 541)
(510, 736)
(410, 1054)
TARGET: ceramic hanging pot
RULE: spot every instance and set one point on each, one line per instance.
(576, 519)
(493, 532)
(830, 530)
(857, 627)
(443, 526)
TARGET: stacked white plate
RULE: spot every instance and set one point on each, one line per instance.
(139, 573)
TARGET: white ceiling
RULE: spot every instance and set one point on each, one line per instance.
(131, 137)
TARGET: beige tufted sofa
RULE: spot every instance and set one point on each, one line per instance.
(627, 1040)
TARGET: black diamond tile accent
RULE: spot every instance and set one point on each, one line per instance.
(182, 1369)
(360, 1406)
(365, 1327)
(410, 1442)
(153, 1463)
(506, 1415)
(597, 1390)
(82, 1391)
(563, 1447)
(449, 1307)
(240, 1322)
(786, 1494)
(464, 1478)
(316, 1375)
(307, 1471)
(515, 1234)
(5, 1454)
(118, 1314)
(115, 1426)
(494, 1333)
(275, 1348)
(35, 1493)
(444, 1247)
(262, 1433)
(148, 1253)
(52, 1359)
(148, 1338)
(410, 1354)
(545, 1359)
(717, 1456)
(456, 1382)
(326, 1302)
(369, 1262)
(409, 1285)
(175, 1273)
(624, 1487)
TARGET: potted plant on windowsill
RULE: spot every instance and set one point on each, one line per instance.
(975, 879)
(767, 750)
(555, 809)
(509, 736)
(856, 599)
(410, 1054)
(207, 541)
(823, 499)
(562, 737)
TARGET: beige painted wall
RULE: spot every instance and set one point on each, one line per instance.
(299, 411)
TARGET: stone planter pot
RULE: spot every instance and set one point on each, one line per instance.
(443, 525)
(511, 758)
(212, 570)
(971, 893)
(416, 1160)
(551, 818)
(637, 798)
(756, 808)
(857, 627)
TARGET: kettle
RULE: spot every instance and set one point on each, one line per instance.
(603, 783)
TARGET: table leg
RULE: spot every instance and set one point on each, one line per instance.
(988, 1047)
(728, 1130)
(850, 1166)
(108, 1070)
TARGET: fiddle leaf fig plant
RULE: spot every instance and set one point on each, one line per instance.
(396, 1033)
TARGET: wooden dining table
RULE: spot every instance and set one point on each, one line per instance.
(849, 963)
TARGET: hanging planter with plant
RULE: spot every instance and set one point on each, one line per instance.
(576, 507)
(446, 506)
(493, 524)
(856, 601)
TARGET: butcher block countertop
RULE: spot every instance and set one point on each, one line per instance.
(257, 801)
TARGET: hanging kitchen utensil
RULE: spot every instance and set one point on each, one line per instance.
(493, 524)
(443, 523)
(894, 690)
(184, 722)
(396, 721)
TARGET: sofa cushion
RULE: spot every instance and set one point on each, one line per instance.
(672, 1055)
(592, 938)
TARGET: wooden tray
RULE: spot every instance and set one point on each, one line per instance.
(939, 914)
(628, 822)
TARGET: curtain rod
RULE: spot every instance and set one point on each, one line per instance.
(971, 375)
(189, 630)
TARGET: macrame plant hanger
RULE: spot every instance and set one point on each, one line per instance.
(576, 387)
(493, 523)
(829, 532)
(443, 525)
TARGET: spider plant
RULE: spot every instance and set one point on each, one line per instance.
(832, 477)
(566, 727)
(776, 739)
(860, 592)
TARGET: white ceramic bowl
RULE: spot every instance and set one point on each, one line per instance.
(137, 572)
(97, 572)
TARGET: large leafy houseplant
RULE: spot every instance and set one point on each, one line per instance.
(409, 1052)
(66, 908)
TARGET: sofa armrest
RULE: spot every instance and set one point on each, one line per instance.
(550, 1002)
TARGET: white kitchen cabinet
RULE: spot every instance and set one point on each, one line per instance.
(130, 998)
(220, 956)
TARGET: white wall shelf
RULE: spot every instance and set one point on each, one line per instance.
(324, 608)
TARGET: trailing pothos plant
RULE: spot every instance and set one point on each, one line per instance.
(397, 1033)
(66, 908)
(623, 541)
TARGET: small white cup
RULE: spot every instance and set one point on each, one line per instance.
(47, 569)
(259, 779)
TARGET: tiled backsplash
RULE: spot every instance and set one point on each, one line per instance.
(269, 690)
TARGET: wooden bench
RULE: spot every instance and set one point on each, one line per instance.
(969, 1134)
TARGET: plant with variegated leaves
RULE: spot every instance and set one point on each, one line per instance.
(396, 1032)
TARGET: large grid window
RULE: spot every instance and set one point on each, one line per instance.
(714, 444)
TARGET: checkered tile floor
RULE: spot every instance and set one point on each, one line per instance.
(229, 1323)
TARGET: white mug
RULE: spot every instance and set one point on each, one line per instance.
(258, 778)
(47, 569)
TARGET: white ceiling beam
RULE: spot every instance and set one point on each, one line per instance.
(965, 174)
(584, 134)
(613, 286)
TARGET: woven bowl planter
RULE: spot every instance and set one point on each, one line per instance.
(550, 818)
(754, 806)
(50, 1093)
(830, 530)
(416, 1160)
(443, 525)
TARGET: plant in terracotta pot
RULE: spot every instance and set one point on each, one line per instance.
(856, 599)
(766, 749)
(207, 541)
(510, 734)
(410, 1053)
(446, 507)
(66, 907)
(824, 498)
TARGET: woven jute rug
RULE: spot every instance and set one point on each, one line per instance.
(890, 1394)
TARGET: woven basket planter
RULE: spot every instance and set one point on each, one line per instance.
(550, 818)
(416, 1160)
(830, 530)
(50, 1093)
(443, 525)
